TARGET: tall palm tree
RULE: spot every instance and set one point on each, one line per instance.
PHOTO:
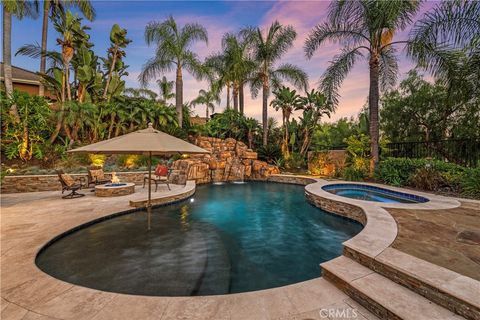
(267, 49)
(52, 7)
(286, 100)
(173, 51)
(165, 89)
(19, 9)
(364, 26)
(238, 66)
(208, 98)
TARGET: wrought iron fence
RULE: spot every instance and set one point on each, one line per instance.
(465, 152)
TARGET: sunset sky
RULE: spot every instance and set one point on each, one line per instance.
(218, 17)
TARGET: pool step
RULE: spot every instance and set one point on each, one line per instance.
(444, 287)
(380, 295)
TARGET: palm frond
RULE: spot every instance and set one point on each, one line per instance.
(339, 33)
(388, 68)
(337, 71)
(293, 74)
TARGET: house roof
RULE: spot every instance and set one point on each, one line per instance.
(21, 75)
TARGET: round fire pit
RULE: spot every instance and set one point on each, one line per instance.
(114, 189)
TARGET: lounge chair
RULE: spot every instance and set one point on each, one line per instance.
(160, 176)
(96, 176)
(68, 184)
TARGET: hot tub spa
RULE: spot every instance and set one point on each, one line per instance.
(372, 193)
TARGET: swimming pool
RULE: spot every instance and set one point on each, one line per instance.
(225, 239)
(372, 193)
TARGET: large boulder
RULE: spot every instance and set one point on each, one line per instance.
(229, 160)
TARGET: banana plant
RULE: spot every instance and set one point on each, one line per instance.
(118, 39)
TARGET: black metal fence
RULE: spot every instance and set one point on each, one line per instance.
(464, 152)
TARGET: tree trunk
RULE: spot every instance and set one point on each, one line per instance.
(250, 139)
(58, 126)
(373, 98)
(110, 127)
(7, 60)
(43, 58)
(179, 96)
(241, 99)
(265, 112)
(235, 96)
(206, 113)
(109, 76)
(287, 122)
(67, 83)
(228, 95)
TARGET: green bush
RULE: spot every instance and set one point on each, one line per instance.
(470, 183)
(427, 179)
(353, 174)
(270, 153)
(295, 161)
(397, 171)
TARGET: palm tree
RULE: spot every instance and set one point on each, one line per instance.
(207, 98)
(50, 8)
(173, 51)
(118, 39)
(363, 26)
(286, 100)
(252, 126)
(267, 50)
(141, 93)
(314, 106)
(237, 67)
(165, 89)
(446, 42)
(20, 9)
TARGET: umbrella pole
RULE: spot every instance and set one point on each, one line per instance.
(149, 202)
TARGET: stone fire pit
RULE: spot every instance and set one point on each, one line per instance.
(114, 189)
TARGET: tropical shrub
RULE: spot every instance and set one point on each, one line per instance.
(397, 171)
(295, 161)
(428, 178)
(354, 174)
(470, 183)
(270, 152)
(23, 138)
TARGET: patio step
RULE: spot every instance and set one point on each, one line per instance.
(382, 296)
(442, 286)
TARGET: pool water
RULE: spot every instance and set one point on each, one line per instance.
(226, 239)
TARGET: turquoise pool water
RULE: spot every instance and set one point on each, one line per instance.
(225, 239)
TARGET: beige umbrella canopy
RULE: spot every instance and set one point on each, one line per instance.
(147, 141)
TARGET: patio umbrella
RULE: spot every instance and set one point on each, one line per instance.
(147, 142)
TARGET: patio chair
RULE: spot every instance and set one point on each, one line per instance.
(68, 184)
(96, 176)
(160, 176)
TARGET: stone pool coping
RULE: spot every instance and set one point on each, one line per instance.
(31, 220)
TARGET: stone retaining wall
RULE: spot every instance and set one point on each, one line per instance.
(32, 183)
(326, 163)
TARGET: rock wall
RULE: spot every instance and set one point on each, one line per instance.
(230, 160)
(49, 182)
